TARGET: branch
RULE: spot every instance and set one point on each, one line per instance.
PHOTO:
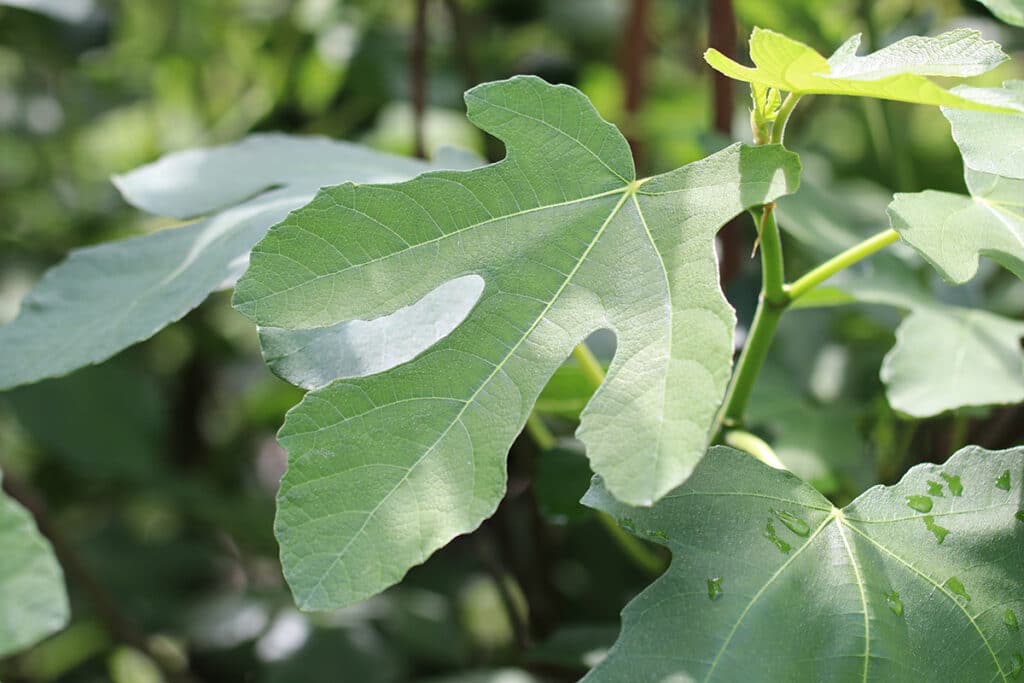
(418, 75)
(634, 62)
(840, 262)
(722, 37)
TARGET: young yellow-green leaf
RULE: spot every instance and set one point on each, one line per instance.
(952, 231)
(897, 72)
(105, 298)
(386, 469)
(769, 582)
(991, 143)
(33, 603)
(1010, 11)
(948, 357)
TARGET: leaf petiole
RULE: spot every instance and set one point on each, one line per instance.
(637, 552)
(589, 364)
(539, 432)
(840, 262)
(755, 446)
(782, 118)
(633, 547)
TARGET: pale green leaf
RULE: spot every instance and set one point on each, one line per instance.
(311, 358)
(897, 72)
(769, 582)
(935, 339)
(945, 357)
(1010, 11)
(103, 299)
(948, 357)
(487, 676)
(71, 11)
(952, 231)
(991, 143)
(385, 470)
(33, 602)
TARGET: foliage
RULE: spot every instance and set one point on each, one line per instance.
(424, 312)
(892, 586)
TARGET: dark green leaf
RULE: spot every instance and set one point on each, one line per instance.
(770, 582)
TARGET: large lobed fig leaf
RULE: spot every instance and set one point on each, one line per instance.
(989, 142)
(947, 357)
(951, 231)
(384, 470)
(921, 581)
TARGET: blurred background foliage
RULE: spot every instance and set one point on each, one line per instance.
(154, 473)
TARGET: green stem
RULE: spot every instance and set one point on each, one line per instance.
(755, 351)
(772, 305)
(773, 301)
(745, 441)
(633, 547)
(779, 127)
(773, 270)
(591, 367)
(840, 262)
(539, 432)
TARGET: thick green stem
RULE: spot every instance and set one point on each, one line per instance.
(772, 303)
(755, 351)
(840, 262)
(773, 270)
(757, 447)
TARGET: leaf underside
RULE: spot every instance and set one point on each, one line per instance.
(33, 602)
(949, 357)
(945, 357)
(989, 142)
(105, 298)
(1010, 11)
(386, 469)
(896, 72)
(917, 581)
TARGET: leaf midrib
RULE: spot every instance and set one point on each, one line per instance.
(941, 588)
(841, 522)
